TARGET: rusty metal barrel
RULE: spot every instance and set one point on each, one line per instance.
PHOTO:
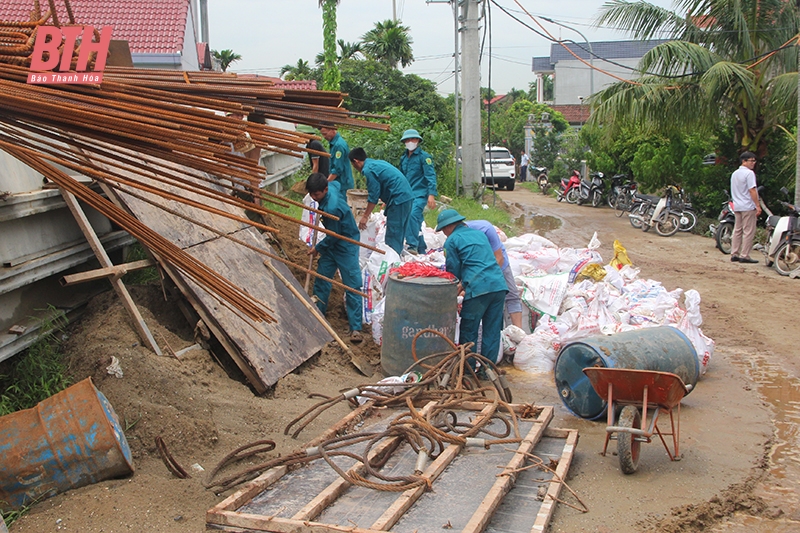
(414, 304)
(662, 349)
(69, 440)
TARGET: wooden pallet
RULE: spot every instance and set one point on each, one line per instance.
(470, 492)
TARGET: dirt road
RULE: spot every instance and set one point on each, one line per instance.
(739, 472)
(739, 427)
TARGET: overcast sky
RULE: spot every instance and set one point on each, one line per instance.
(269, 34)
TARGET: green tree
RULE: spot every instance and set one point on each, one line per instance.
(547, 82)
(225, 58)
(346, 51)
(438, 140)
(508, 129)
(389, 43)
(331, 77)
(301, 71)
(373, 87)
(708, 72)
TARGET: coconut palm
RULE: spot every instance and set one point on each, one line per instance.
(300, 71)
(389, 43)
(346, 51)
(331, 77)
(728, 61)
(225, 58)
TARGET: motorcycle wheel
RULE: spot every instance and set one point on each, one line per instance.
(668, 225)
(597, 198)
(787, 258)
(612, 199)
(621, 204)
(638, 215)
(723, 237)
(688, 221)
(572, 196)
(542, 180)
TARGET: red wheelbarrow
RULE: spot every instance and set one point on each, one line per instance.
(647, 389)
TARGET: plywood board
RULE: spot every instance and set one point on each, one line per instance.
(264, 352)
(469, 491)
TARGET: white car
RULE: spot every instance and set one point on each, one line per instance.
(499, 168)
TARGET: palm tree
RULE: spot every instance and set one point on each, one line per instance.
(331, 77)
(346, 51)
(300, 71)
(225, 58)
(728, 60)
(389, 43)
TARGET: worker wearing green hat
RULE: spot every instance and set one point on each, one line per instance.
(469, 257)
(417, 166)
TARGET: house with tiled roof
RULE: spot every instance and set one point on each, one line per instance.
(160, 33)
(574, 79)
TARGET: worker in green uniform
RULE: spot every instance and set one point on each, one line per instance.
(340, 165)
(417, 166)
(469, 257)
(336, 253)
(388, 184)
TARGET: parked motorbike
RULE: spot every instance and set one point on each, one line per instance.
(683, 206)
(724, 231)
(657, 212)
(592, 191)
(569, 188)
(783, 244)
(625, 197)
(617, 184)
(542, 179)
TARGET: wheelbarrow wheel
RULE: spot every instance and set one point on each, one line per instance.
(627, 445)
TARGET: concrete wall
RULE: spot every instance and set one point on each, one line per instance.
(573, 78)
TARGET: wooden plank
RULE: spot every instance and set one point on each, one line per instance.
(281, 525)
(390, 517)
(116, 270)
(102, 257)
(335, 489)
(482, 516)
(259, 484)
(550, 499)
(264, 352)
(250, 490)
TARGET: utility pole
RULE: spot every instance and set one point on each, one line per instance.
(456, 95)
(204, 21)
(472, 150)
(394, 10)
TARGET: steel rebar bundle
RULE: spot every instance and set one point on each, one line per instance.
(166, 137)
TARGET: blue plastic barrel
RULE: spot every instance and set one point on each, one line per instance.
(69, 440)
(414, 304)
(662, 349)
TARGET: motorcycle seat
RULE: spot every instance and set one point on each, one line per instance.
(647, 197)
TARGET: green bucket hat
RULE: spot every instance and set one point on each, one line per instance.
(447, 217)
(410, 134)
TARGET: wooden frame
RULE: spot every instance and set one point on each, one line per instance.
(235, 512)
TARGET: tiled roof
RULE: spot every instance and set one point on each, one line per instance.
(149, 26)
(604, 49)
(298, 85)
(574, 114)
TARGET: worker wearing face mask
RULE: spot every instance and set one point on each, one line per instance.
(417, 166)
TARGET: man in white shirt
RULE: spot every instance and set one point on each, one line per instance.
(523, 167)
(745, 208)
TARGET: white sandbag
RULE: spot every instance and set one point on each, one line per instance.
(529, 242)
(510, 337)
(369, 235)
(704, 346)
(544, 293)
(307, 234)
(537, 352)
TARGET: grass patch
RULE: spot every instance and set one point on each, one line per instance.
(39, 372)
(473, 210)
(144, 276)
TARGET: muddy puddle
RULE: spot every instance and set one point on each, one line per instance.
(782, 393)
(541, 224)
